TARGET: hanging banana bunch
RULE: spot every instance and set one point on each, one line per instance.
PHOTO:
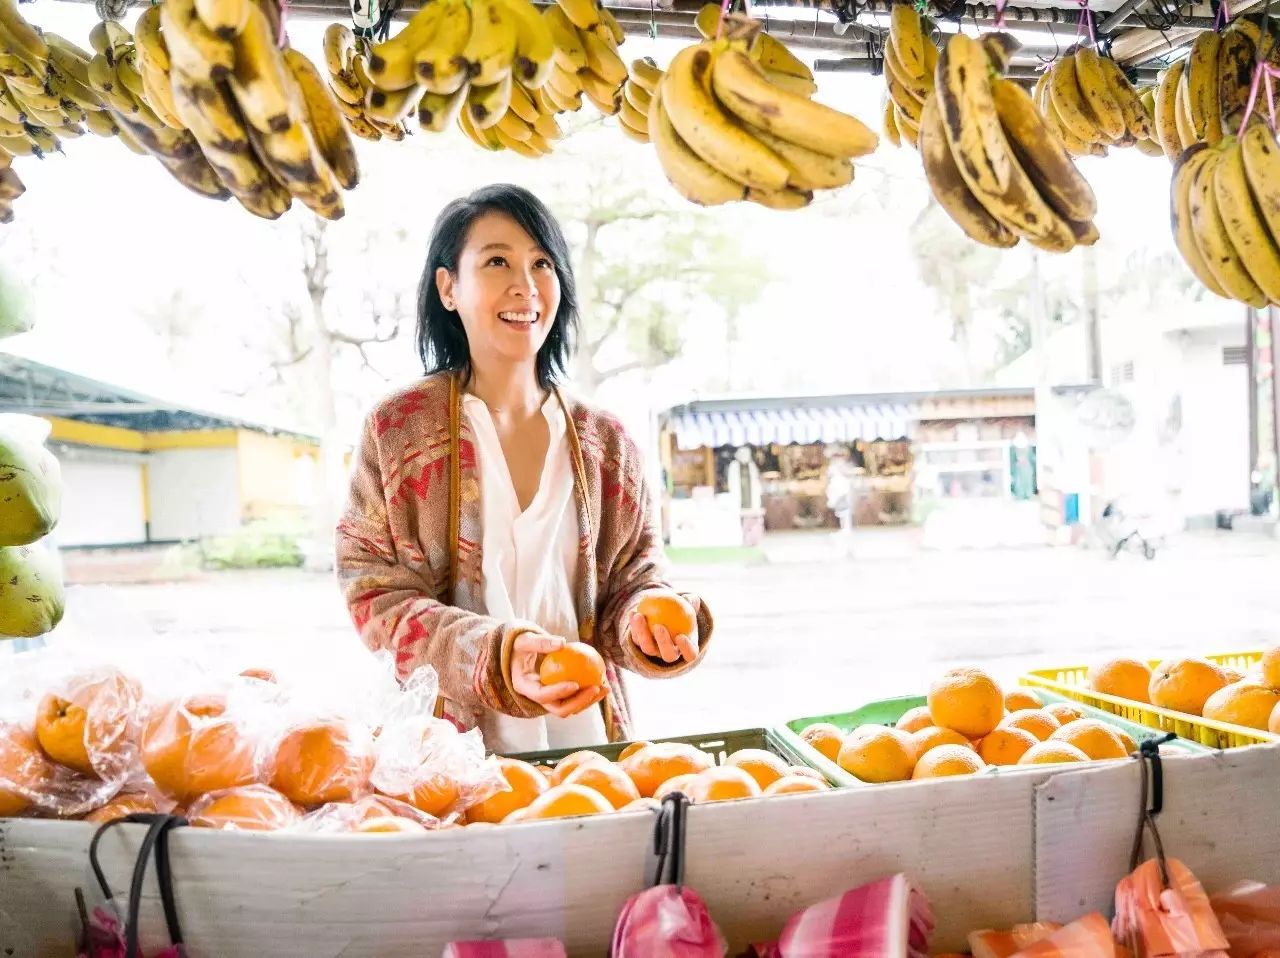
(347, 63)
(528, 127)
(586, 62)
(637, 96)
(992, 160)
(910, 61)
(1087, 100)
(724, 131)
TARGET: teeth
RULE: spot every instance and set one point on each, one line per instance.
(518, 317)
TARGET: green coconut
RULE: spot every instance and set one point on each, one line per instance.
(31, 592)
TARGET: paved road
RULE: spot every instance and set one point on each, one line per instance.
(808, 632)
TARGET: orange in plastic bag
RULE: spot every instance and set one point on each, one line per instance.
(1087, 937)
(322, 762)
(190, 746)
(90, 724)
(1249, 913)
(129, 802)
(1157, 919)
(254, 808)
(347, 817)
(23, 770)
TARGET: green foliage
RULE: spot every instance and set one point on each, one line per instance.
(261, 544)
(15, 308)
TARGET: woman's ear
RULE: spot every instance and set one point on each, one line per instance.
(444, 286)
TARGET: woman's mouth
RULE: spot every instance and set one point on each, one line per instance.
(520, 320)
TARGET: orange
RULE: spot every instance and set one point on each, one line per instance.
(190, 747)
(1231, 675)
(913, 720)
(652, 766)
(1052, 753)
(262, 675)
(967, 701)
(642, 805)
(1036, 721)
(723, 784)
(519, 815)
(1130, 746)
(566, 801)
(609, 780)
(572, 762)
(1270, 667)
(796, 785)
(670, 610)
(322, 762)
(1273, 726)
(826, 738)
(254, 808)
(388, 825)
(632, 749)
(1005, 746)
(126, 803)
(1015, 700)
(1064, 712)
(1245, 703)
(577, 662)
(806, 773)
(524, 784)
(679, 783)
(1126, 678)
(436, 794)
(22, 765)
(1184, 685)
(1096, 739)
(765, 767)
(874, 753)
(932, 737)
(95, 720)
(947, 760)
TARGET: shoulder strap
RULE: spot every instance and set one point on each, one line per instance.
(455, 481)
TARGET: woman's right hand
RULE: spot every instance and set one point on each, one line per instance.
(562, 699)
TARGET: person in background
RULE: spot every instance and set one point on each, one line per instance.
(492, 516)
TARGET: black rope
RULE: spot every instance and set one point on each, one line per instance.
(1152, 804)
(668, 840)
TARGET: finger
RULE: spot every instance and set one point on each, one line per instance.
(582, 700)
(537, 643)
(686, 647)
(641, 635)
(548, 695)
(666, 648)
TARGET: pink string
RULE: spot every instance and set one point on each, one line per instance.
(1085, 18)
(282, 40)
(724, 12)
(1262, 75)
(1000, 5)
(1223, 16)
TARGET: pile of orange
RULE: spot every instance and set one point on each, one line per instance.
(969, 723)
(1199, 687)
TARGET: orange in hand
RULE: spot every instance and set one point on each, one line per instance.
(577, 662)
(674, 612)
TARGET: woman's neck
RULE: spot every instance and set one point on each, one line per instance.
(511, 392)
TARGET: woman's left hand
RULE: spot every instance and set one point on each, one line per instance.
(658, 643)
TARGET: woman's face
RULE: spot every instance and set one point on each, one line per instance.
(506, 292)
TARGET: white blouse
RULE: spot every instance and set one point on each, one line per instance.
(530, 565)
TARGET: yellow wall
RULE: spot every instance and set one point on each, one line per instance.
(271, 478)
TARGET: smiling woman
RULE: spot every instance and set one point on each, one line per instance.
(493, 518)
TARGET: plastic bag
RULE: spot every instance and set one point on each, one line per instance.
(321, 761)
(429, 764)
(197, 744)
(991, 943)
(1156, 920)
(1087, 937)
(369, 814)
(249, 808)
(1249, 913)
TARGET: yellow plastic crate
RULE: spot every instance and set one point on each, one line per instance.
(1070, 682)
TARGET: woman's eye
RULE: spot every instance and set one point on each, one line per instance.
(497, 261)
(544, 264)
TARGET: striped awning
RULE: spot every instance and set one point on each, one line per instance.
(804, 425)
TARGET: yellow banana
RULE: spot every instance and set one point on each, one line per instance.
(547, 128)
(646, 74)
(808, 169)
(693, 178)
(487, 105)
(339, 48)
(787, 199)
(906, 100)
(1220, 255)
(210, 113)
(492, 46)
(148, 38)
(159, 94)
(1182, 115)
(1069, 101)
(511, 125)
(774, 56)
(347, 89)
(101, 124)
(634, 118)
(1098, 97)
(1000, 49)
(513, 144)
(259, 79)
(226, 18)
(393, 63)
(889, 124)
(1166, 126)
(569, 51)
(1261, 156)
(193, 46)
(565, 83)
(522, 104)
(583, 14)
(792, 84)
(1243, 223)
(638, 97)
(441, 67)
(1236, 57)
(392, 106)
(438, 111)
(26, 42)
(603, 60)
(104, 82)
(1201, 79)
(745, 91)
(324, 119)
(907, 32)
(535, 48)
(607, 96)
(630, 132)
(903, 87)
(907, 128)
(485, 139)
(1185, 170)
(609, 29)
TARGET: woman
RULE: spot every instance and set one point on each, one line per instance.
(493, 518)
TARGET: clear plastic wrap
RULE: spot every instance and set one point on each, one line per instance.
(344, 818)
(250, 808)
(196, 744)
(323, 761)
(428, 763)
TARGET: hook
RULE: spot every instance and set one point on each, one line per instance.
(1152, 803)
(1057, 47)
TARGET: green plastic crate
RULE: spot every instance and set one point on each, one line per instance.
(721, 745)
(888, 711)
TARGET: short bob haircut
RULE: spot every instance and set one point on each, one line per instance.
(442, 342)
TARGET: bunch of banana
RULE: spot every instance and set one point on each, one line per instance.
(528, 127)
(1225, 204)
(10, 186)
(992, 160)
(1089, 102)
(586, 62)
(261, 113)
(724, 131)
(780, 65)
(910, 61)
(637, 96)
(347, 61)
(1203, 98)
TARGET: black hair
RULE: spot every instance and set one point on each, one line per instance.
(442, 342)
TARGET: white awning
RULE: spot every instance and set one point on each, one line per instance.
(801, 424)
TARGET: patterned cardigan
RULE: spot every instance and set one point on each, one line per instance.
(412, 527)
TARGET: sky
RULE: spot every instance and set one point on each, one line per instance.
(109, 238)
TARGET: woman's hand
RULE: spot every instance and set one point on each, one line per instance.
(657, 642)
(562, 699)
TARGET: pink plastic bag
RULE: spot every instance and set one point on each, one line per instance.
(667, 920)
(1250, 916)
(512, 948)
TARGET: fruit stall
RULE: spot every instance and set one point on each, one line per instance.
(972, 811)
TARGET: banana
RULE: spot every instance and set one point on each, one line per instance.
(211, 113)
(1098, 97)
(787, 199)
(1000, 49)
(159, 94)
(508, 142)
(226, 18)
(441, 67)
(1244, 225)
(8, 128)
(1041, 154)
(511, 125)
(101, 124)
(149, 40)
(1150, 148)
(693, 178)
(547, 128)
(347, 89)
(908, 129)
(1182, 115)
(395, 132)
(362, 128)
(949, 187)
(126, 67)
(1166, 126)
(636, 119)
(292, 158)
(609, 29)
(746, 92)
(646, 74)
(560, 102)
(606, 96)
(487, 105)
(565, 83)
(569, 50)
(1137, 118)
(890, 125)
(485, 139)
(904, 99)
(522, 104)
(1261, 156)
(907, 33)
(1236, 57)
(259, 79)
(638, 97)
(630, 132)
(104, 82)
(25, 41)
(324, 120)
(603, 60)
(1220, 255)
(339, 48)
(903, 87)
(1201, 79)
(583, 14)
(1069, 101)
(1185, 170)
(535, 49)
(773, 55)
(392, 106)
(438, 111)
(9, 108)
(808, 169)
(10, 186)
(67, 87)
(491, 47)
(393, 63)
(129, 140)
(18, 146)
(193, 46)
